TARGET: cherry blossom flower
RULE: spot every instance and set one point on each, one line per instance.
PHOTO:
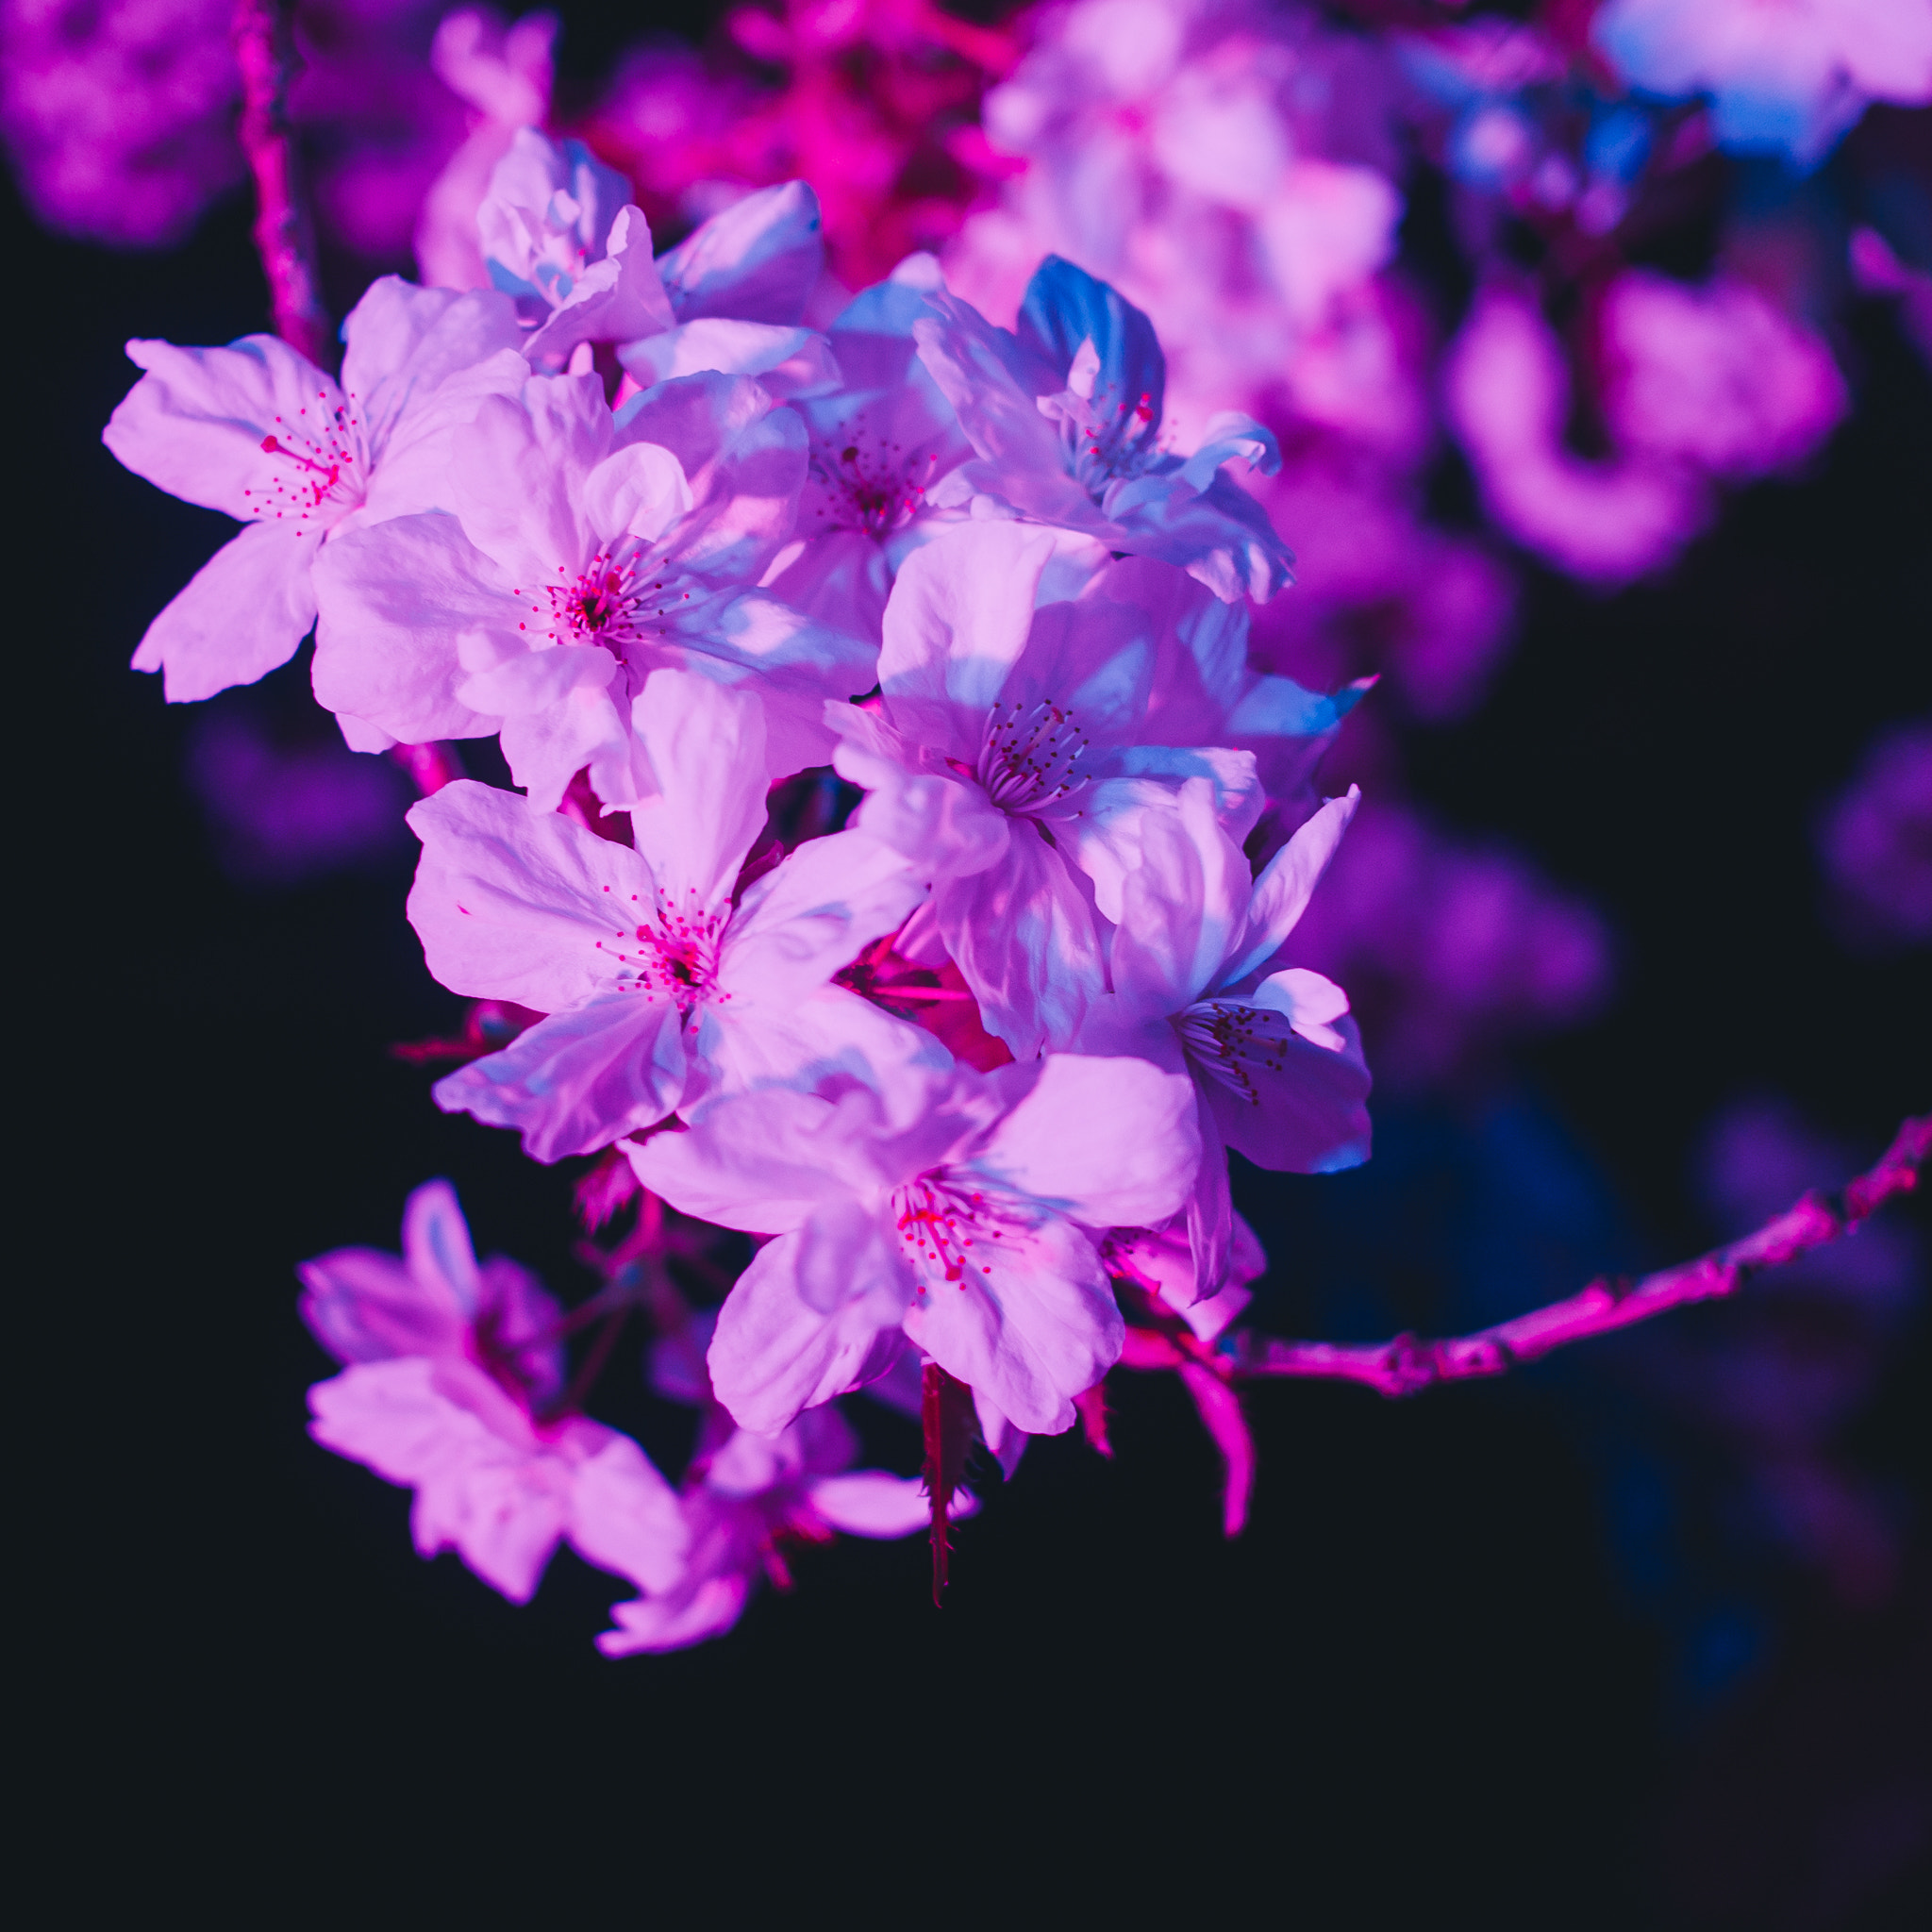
(259, 432)
(950, 1210)
(1507, 393)
(451, 1370)
(748, 1496)
(659, 989)
(1198, 986)
(1066, 419)
(503, 73)
(559, 234)
(1715, 377)
(1791, 76)
(881, 442)
(1007, 760)
(580, 552)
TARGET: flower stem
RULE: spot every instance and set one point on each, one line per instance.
(264, 51)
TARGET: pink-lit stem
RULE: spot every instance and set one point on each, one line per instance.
(1409, 1364)
(430, 766)
(283, 239)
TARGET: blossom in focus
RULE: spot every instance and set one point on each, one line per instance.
(1066, 417)
(580, 552)
(1197, 985)
(660, 987)
(1009, 763)
(747, 1496)
(259, 432)
(957, 1211)
(450, 1372)
(1790, 76)
(881, 442)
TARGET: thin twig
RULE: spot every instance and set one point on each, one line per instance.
(264, 51)
(1409, 1364)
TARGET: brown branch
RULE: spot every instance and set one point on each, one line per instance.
(264, 51)
(1409, 1364)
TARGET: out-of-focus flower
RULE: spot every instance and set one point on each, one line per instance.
(1714, 376)
(119, 117)
(876, 104)
(1229, 171)
(451, 1369)
(1875, 840)
(1790, 76)
(503, 76)
(1877, 271)
(1508, 393)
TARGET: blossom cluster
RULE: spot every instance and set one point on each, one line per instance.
(881, 882)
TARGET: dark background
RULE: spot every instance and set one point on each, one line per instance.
(1421, 1686)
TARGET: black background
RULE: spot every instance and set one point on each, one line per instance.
(1415, 1690)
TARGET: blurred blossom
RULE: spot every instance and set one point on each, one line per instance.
(1788, 75)
(1714, 376)
(1875, 841)
(875, 102)
(1228, 169)
(1449, 949)
(502, 75)
(283, 814)
(1507, 391)
(119, 115)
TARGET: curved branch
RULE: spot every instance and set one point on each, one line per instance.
(283, 237)
(1409, 1364)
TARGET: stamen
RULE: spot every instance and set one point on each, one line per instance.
(1234, 1042)
(673, 953)
(1028, 761)
(323, 451)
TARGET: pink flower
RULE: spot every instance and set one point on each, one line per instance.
(1009, 760)
(450, 1369)
(660, 986)
(1715, 377)
(747, 1496)
(1066, 417)
(580, 552)
(259, 432)
(1198, 987)
(1507, 393)
(504, 75)
(881, 441)
(1784, 74)
(951, 1209)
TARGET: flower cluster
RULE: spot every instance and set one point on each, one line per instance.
(878, 884)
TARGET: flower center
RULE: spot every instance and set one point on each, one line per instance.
(614, 602)
(672, 954)
(1108, 439)
(938, 1221)
(316, 476)
(1233, 1043)
(868, 483)
(1030, 760)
